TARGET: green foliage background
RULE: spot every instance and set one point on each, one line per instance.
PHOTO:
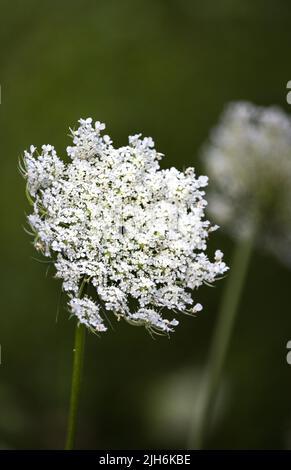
(165, 68)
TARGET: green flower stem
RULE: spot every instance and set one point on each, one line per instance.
(221, 341)
(76, 385)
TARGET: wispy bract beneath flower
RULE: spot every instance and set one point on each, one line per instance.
(248, 158)
(115, 222)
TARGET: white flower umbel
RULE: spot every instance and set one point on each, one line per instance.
(112, 219)
(87, 312)
(248, 160)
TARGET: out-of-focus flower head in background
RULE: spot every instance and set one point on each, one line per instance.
(248, 159)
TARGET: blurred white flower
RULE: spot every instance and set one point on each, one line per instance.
(248, 159)
(173, 400)
(113, 220)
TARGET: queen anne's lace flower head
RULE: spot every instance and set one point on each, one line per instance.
(248, 160)
(134, 235)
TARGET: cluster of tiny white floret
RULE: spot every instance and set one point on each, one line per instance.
(87, 312)
(126, 236)
(248, 160)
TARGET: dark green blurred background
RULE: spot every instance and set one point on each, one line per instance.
(165, 68)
